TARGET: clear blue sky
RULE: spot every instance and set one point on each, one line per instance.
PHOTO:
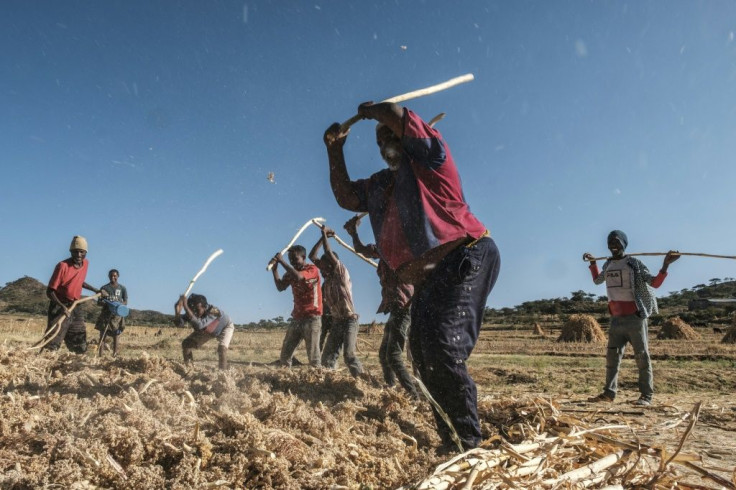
(150, 128)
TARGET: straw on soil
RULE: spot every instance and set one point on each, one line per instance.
(581, 328)
(675, 328)
(69, 421)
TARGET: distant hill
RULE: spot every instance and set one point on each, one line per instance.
(25, 295)
(28, 295)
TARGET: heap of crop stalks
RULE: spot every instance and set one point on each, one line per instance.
(581, 328)
(547, 449)
(675, 328)
(69, 421)
(538, 330)
(372, 328)
(730, 337)
(149, 422)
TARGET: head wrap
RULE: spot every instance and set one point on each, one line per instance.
(78, 243)
(620, 236)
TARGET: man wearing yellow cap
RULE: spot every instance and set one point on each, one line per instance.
(65, 287)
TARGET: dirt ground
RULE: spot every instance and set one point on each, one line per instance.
(145, 420)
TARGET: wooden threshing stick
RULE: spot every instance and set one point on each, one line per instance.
(344, 244)
(201, 271)
(652, 254)
(49, 335)
(468, 77)
(301, 230)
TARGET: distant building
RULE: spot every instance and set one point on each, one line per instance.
(702, 303)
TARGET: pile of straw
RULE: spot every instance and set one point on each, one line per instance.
(69, 421)
(675, 328)
(555, 450)
(581, 328)
(730, 337)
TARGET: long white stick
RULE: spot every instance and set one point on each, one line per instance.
(344, 244)
(653, 254)
(301, 230)
(468, 77)
(201, 271)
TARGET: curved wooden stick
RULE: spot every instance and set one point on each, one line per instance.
(298, 233)
(344, 244)
(468, 77)
(201, 271)
(436, 119)
(49, 335)
(652, 254)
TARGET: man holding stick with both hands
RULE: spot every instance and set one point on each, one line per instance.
(338, 296)
(64, 288)
(396, 302)
(425, 231)
(306, 317)
(630, 302)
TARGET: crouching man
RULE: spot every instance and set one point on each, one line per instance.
(208, 322)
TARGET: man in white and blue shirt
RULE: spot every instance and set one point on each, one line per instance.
(630, 301)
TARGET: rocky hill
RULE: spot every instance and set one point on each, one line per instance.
(28, 295)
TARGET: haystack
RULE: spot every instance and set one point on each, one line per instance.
(581, 328)
(538, 330)
(674, 328)
(730, 337)
(373, 328)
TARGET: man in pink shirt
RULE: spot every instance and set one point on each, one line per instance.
(426, 233)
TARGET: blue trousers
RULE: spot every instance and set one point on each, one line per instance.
(447, 312)
(625, 329)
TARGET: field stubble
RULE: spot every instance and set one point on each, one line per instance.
(506, 363)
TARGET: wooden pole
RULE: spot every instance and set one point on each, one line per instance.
(344, 244)
(468, 77)
(201, 271)
(652, 254)
(298, 233)
(49, 335)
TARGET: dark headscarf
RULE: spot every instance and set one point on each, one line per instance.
(620, 236)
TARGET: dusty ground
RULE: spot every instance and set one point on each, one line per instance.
(146, 421)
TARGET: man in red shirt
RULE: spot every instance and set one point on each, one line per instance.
(306, 318)
(64, 288)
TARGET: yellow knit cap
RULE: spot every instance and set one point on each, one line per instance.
(78, 243)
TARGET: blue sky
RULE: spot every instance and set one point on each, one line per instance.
(150, 128)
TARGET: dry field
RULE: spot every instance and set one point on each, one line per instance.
(145, 420)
